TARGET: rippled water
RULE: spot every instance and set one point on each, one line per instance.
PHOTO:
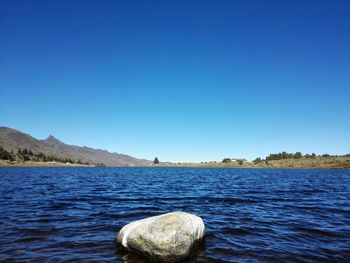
(251, 215)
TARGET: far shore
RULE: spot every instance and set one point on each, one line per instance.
(309, 163)
(340, 162)
(40, 164)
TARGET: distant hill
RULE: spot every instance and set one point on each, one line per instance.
(12, 140)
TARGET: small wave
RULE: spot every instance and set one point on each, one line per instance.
(131, 215)
(235, 231)
(318, 232)
(225, 251)
(29, 239)
(60, 206)
(36, 232)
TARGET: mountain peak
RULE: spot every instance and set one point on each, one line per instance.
(52, 140)
(12, 139)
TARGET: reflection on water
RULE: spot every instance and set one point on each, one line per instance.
(251, 215)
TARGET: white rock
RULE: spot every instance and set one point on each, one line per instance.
(169, 237)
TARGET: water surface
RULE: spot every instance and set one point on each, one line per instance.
(251, 215)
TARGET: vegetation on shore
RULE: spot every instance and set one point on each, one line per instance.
(284, 159)
(27, 156)
(277, 160)
(6, 163)
(297, 155)
(156, 161)
(318, 162)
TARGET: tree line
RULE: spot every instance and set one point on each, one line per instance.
(5, 155)
(297, 155)
(27, 155)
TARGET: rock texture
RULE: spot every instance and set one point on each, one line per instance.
(169, 237)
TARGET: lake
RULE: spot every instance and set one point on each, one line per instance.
(251, 215)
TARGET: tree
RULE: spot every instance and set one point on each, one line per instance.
(226, 160)
(284, 155)
(156, 161)
(298, 155)
(5, 155)
(257, 160)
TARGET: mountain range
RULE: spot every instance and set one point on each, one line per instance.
(12, 140)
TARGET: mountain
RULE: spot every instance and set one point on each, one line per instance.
(12, 140)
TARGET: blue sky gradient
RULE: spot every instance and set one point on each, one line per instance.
(181, 80)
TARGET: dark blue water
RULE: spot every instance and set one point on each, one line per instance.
(251, 215)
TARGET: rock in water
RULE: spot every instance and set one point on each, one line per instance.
(169, 237)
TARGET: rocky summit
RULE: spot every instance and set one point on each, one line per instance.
(170, 237)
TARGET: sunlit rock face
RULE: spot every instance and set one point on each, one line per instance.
(170, 237)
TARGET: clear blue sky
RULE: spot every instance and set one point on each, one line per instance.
(181, 80)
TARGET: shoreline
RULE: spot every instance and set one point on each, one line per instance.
(340, 162)
(41, 164)
(252, 166)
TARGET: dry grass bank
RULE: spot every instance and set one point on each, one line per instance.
(318, 162)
